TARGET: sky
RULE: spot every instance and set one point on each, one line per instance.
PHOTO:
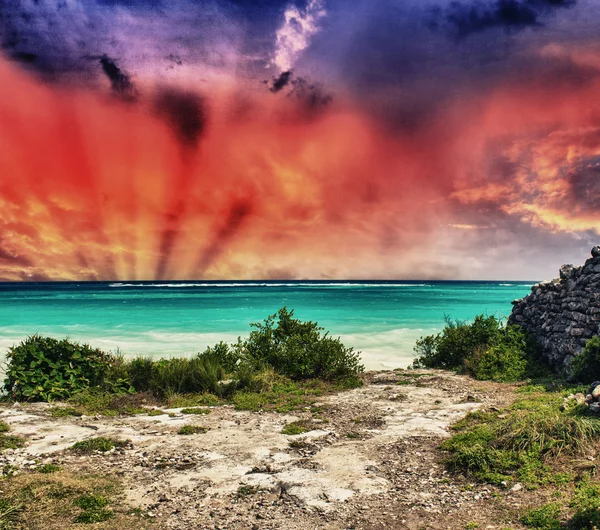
(315, 139)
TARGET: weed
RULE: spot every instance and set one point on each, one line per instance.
(10, 442)
(4, 427)
(353, 435)
(192, 429)
(156, 412)
(546, 517)
(49, 468)
(100, 444)
(195, 410)
(245, 490)
(295, 428)
(94, 516)
(63, 412)
(191, 400)
(91, 502)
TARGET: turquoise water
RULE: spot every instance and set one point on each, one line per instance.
(381, 319)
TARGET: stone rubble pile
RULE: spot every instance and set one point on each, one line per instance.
(563, 314)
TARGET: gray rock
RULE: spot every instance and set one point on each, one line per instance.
(596, 251)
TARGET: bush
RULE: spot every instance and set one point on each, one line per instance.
(297, 349)
(484, 349)
(586, 365)
(47, 369)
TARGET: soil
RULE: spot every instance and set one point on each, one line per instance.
(369, 460)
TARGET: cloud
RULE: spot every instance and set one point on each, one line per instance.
(119, 80)
(184, 111)
(294, 36)
(466, 19)
(281, 81)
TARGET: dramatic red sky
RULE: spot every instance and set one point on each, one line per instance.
(267, 140)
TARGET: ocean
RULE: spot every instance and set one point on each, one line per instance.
(382, 319)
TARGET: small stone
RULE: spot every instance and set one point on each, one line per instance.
(517, 487)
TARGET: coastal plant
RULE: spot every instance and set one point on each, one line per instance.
(47, 369)
(485, 349)
(187, 430)
(100, 444)
(586, 365)
(520, 442)
(297, 349)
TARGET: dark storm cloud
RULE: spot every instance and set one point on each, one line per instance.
(119, 80)
(57, 39)
(281, 81)
(465, 19)
(584, 185)
(184, 112)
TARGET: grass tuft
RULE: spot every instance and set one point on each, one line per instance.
(187, 430)
(100, 444)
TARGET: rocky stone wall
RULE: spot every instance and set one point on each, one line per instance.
(563, 314)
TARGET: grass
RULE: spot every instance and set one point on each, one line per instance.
(156, 412)
(537, 444)
(195, 410)
(63, 412)
(64, 500)
(46, 469)
(10, 442)
(4, 427)
(187, 430)
(296, 427)
(100, 444)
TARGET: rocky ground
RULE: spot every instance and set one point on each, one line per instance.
(368, 461)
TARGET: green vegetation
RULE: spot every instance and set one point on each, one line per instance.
(100, 444)
(484, 349)
(296, 427)
(49, 468)
(283, 365)
(546, 517)
(538, 443)
(8, 441)
(195, 410)
(518, 443)
(187, 430)
(38, 501)
(46, 369)
(586, 365)
(63, 412)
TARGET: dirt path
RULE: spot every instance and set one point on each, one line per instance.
(369, 460)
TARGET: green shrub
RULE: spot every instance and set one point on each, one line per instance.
(586, 504)
(4, 427)
(100, 444)
(502, 362)
(140, 372)
(545, 517)
(47, 369)
(586, 366)
(49, 468)
(484, 349)
(297, 349)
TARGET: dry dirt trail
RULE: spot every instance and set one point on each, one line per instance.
(370, 460)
